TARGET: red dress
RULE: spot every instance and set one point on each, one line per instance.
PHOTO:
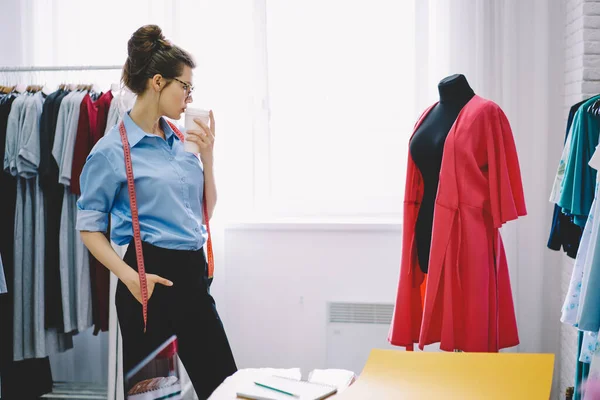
(465, 301)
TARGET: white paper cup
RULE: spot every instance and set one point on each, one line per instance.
(190, 114)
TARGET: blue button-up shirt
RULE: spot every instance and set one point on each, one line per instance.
(169, 185)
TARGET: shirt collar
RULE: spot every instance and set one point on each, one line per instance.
(135, 134)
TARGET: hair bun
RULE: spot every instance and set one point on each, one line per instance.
(145, 41)
(148, 54)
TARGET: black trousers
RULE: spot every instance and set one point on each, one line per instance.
(185, 309)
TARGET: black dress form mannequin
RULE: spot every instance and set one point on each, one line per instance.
(427, 148)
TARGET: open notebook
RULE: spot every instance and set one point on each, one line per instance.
(280, 388)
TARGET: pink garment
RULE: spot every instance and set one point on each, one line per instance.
(465, 301)
(591, 389)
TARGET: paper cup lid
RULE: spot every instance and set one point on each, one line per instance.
(196, 111)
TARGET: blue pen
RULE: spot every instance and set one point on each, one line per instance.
(275, 389)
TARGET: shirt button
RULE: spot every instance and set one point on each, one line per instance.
(197, 229)
(182, 180)
(170, 158)
(187, 205)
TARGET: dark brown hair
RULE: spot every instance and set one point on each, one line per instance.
(149, 53)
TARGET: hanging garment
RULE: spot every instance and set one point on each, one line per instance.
(16, 376)
(92, 123)
(589, 313)
(66, 265)
(589, 346)
(31, 339)
(594, 367)
(582, 370)
(12, 140)
(564, 232)
(467, 302)
(122, 101)
(590, 263)
(74, 256)
(583, 262)
(571, 192)
(577, 190)
(12, 146)
(560, 172)
(114, 113)
(573, 304)
(53, 194)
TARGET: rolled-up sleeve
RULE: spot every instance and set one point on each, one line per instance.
(99, 186)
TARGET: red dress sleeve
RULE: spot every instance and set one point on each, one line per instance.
(82, 144)
(507, 201)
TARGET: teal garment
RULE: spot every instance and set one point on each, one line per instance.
(582, 370)
(589, 302)
(579, 181)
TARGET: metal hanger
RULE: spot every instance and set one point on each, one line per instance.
(594, 108)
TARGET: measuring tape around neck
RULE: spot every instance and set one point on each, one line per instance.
(137, 237)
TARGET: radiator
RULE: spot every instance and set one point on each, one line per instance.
(353, 330)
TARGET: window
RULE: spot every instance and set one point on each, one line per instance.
(314, 99)
(339, 84)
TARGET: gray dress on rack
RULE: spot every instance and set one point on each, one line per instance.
(31, 339)
(74, 256)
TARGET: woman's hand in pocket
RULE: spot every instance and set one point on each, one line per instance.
(133, 284)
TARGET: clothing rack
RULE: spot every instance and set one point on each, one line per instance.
(62, 68)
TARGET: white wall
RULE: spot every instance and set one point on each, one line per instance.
(280, 277)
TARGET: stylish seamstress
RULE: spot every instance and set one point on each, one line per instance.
(170, 185)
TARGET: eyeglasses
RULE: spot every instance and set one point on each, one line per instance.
(186, 87)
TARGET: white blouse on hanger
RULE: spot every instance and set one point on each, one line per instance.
(571, 307)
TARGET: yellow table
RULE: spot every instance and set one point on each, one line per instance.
(391, 374)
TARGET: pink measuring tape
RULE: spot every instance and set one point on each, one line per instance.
(137, 237)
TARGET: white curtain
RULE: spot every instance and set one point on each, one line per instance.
(339, 94)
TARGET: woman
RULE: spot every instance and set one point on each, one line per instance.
(169, 189)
